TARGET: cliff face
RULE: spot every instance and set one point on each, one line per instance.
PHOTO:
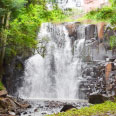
(13, 72)
(99, 72)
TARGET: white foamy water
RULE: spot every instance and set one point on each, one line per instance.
(57, 75)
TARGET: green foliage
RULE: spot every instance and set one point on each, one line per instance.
(106, 14)
(53, 1)
(13, 5)
(56, 15)
(113, 2)
(1, 86)
(113, 41)
(99, 109)
(23, 30)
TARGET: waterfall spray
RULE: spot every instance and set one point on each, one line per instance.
(56, 75)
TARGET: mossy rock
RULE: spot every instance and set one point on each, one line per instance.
(1, 86)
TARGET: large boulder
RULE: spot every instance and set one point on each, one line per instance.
(97, 99)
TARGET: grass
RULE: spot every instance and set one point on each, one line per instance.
(104, 109)
(1, 86)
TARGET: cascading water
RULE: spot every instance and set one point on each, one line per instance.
(58, 73)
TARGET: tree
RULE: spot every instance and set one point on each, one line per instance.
(7, 7)
(20, 22)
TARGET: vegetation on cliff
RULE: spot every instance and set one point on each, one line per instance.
(105, 14)
(106, 109)
(1, 86)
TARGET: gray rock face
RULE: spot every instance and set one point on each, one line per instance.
(91, 32)
(96, 55)
(13, 71)
(99, 79)
(3, 93)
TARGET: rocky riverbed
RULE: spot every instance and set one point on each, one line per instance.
(43, 107)
(11, 106)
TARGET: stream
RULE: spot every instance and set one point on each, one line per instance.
(44, 107)
(53, 75)
(64, 68)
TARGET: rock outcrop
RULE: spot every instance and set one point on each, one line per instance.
(10, 106)
(97, 99)
(13, 71)
(99, 71)
(66, 107)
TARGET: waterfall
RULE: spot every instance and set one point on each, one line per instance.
(56, 73)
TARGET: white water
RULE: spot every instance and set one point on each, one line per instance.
(58, 74)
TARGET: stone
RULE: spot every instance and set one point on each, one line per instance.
(3, 93)
(24, 106)
(66, 107)
(43, 113)
(90, 31)
(18, 113)
(108, 69)
(11, 104)
(97, 99)
(12, 113)
(100, 27)
(35, 110)
(3, 103)
(25, 113)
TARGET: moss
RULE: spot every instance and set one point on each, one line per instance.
(1, 86)
(100, 110)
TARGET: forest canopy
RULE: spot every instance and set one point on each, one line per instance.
(20, 21)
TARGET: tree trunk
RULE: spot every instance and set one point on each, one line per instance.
(5, 25)
(5, 36)
(3, 20)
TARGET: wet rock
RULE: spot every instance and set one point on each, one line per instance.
(97, 99)
(72, 30)
(13, 70)
(12, 113)
(35, 110)
(24, 106)
(46, 105)
(3, 103)
(11, 106)
(66, 107)
(3, 93)
(43, 113)
(91, 31)
(25, 113)
(18, 113)
(7, 115)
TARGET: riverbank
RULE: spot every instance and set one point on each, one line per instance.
(47, 107)
(11, 106)
(106, 109)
